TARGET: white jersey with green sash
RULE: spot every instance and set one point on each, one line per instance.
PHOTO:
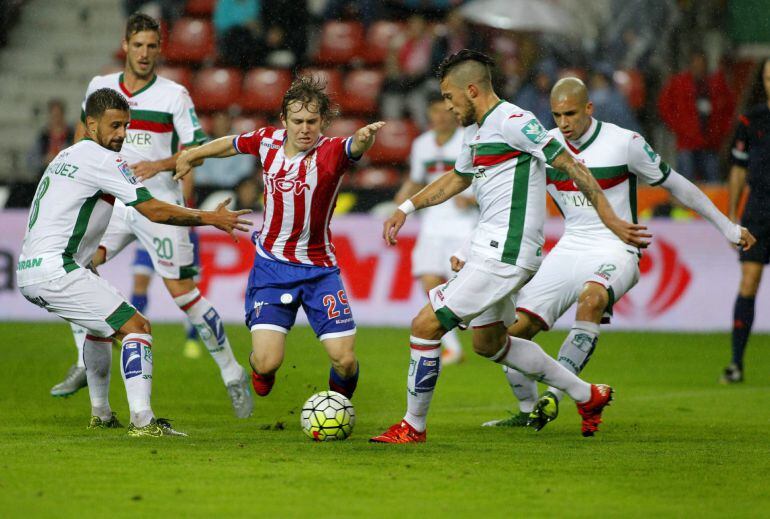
(162, 118)
(506, 154)
(72, 206)
(617, 158)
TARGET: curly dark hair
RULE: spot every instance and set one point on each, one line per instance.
(462, 56)
(310, 90)
(105, 99)
(139, 22)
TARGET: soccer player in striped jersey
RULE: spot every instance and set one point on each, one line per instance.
(163, 119)
(294, 264)
(69, 215)
(443, 228)
(590, 265)
(505, 150)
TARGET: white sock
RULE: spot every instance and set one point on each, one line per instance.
(451, 341)
(136, 368)
(212, 332)
(97, 355)
(530, 359)
(424, 369)
(79, 335)
(523, 387)
(576, 349)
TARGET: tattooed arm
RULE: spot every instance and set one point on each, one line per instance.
(633, 234)
(170, 214)
(445, 187)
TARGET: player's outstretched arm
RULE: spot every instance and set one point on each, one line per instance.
(687, 193)
(631, 233)
(170, 214)
(443, 188)
(218, 148)
(363, 139)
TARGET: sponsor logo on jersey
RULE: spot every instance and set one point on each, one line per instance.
(127, 173)
(285, 185)
(139, 139)
(29, 263)
(270, 145)
(534, 131)
(650, 152)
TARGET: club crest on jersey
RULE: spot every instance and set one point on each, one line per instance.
(534, 131)
(127, 173)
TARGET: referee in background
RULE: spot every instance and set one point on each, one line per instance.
(750, 164)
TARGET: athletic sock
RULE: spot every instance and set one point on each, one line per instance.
(136, 368)
(576, 349)
(345, 386)
(451, 341)
(523, 387)
(79, 335)
(211, 330)
(139, 302)
(530, 359)
(424, 369)
(97, 355)
(743, 319)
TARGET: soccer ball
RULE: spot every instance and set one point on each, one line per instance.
(327, 416)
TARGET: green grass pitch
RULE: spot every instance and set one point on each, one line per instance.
(674, 443)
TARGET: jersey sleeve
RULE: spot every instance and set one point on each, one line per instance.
(118, 180)
(739, 154)
(523, 132)
(464, 161)
(335, 154)
(186, 123)
(645, 163)
(248, 143)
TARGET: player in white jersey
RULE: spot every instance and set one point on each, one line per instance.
(443, 227)
(70, 212)
(162, 119)
(504, 153)
(590, 265)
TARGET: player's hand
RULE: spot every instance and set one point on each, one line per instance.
(456, 263)
(183, 165)
(392, 226)
(229, 221)
(631, 233)
(747, 240)
(145, 169)
(364, 137)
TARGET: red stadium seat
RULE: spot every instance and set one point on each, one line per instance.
(343, 127)
(181, 75)
(191, 41)
(376, 178)
(361, 91)
(332, 78)
(378, 40)
(246, 124)
(393, 143)
(631, 83)
(263, 90)
(216, 88)
(200, 8)
(340, 43)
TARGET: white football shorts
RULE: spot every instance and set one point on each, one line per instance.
(431, 254)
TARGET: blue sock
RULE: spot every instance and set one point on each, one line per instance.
(345, 386)
(139, 302)
(192, 334)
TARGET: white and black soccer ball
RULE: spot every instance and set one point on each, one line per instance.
(327, 416)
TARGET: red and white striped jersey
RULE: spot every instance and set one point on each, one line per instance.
(300, 195)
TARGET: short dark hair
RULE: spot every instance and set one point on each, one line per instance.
(462, 56)
(139, 22)
(306, 90)
(105, 99)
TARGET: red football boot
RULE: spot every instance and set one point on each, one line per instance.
(591, 411)
(402, 432)
(262, 384)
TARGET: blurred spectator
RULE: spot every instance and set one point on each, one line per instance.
(408, 74)
(167, 10)
(225, 172)
(248, 193)
(535, 96)
(292, 18)
(364, 11)
(609, 103)
(452, 36)
(698, 107)
(277, 52)
(56, 136)
(238, 29)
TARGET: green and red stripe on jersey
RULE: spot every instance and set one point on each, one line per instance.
(492, 153)
(151, 121)
(607, 177)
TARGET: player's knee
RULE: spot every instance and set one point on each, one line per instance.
(137, 324)
(592, 303)
(345, 363)
(525, 327)
(487, 345)
(426, 324)
(265, 362)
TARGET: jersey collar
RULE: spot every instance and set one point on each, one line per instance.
(132, 94)
(489, 112)
(588, 137)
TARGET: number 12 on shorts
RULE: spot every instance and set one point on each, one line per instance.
(330, 302)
